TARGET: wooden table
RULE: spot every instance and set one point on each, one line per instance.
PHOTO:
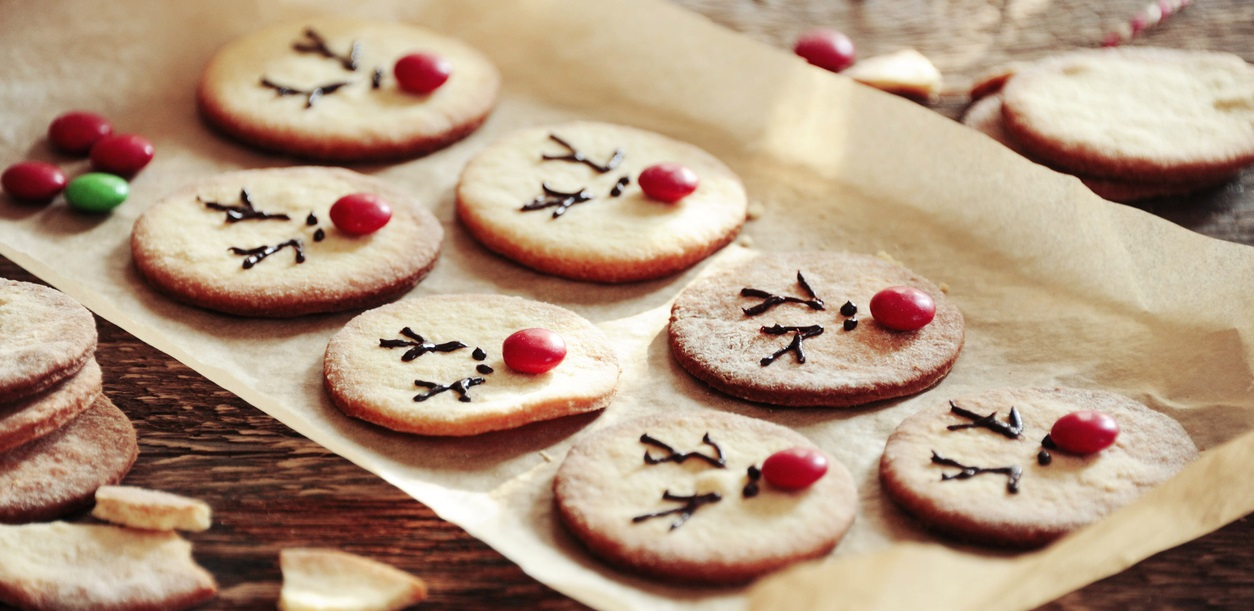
(271, 488)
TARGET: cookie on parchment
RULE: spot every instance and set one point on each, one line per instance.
(985, 116)
(996, 479)
(434, 366)
(565, 200)
(776, 329)
(45, 337)
(60, 472)
(28, 419)
(262, 243)
(324, 89)
(1136, 114)
(682, 497)
(91, 566)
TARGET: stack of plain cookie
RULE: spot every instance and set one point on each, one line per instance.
(1132, 123)
(60, 437)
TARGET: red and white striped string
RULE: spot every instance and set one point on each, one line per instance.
(1153, 14)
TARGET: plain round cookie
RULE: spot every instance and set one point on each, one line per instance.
(1052, 500)
(985, 116)
(47, 337)
(371, 381)
(1136, 113)
(713, 338)
(608, 238)
(30, 418)
(605, 484)
(183, 246)
(61, 471)
(354, 122)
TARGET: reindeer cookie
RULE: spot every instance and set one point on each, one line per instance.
(815, 329)
(1020, 467)
(286, 242)
(600, 202)
(466, 364)
(338, 89)
(704, 497)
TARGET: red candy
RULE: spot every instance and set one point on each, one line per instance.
(668, 182)
(1084, 432)
(421, 73)
(827, 49)
(360, 213)
(794, 468)
(533, 350)
(124, 154)
(903, 308)
(33, 181)
(76, 132)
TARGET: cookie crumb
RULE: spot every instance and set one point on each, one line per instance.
(755, 211)
(745, 241)
(546, 456)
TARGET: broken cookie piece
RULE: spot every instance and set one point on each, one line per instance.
(150, 509)
(329, 580)
(85, 566)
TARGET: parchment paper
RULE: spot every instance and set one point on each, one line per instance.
(1057, 286)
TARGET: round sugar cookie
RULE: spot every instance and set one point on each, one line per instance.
(1136, 113)
(47, 337)
(629, 493)
(60, 472)
(261, 243)
(433, 366)
(324, 89)
(30, 418)
(748, 331)
(985, 116)
(1025, 501)
(564, 200)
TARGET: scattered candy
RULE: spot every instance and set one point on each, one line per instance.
(903, 308)
(827, 49)
(668, 182)
(75, 132)
(421, 73)
(794, 468)
(33, 181)
(533, 350)
(124, 154)
(1084, 432)
(96, 192)
(360, 213)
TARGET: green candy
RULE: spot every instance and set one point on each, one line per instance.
(96, 192)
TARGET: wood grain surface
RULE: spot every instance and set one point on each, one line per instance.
(271, 488)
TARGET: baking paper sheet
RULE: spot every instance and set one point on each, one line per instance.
(1057, 286)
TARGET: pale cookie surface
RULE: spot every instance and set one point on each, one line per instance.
(350, 119)
(461, 394)
(616, 234)
(1136, 113)
(717, 341)
(150, 509)
(89, 567)
(1051, 499)
(605, 485)
(28, 419)
(60, 472)
(316, 579)
(985, 116)
(183, 245)
(47, 337)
